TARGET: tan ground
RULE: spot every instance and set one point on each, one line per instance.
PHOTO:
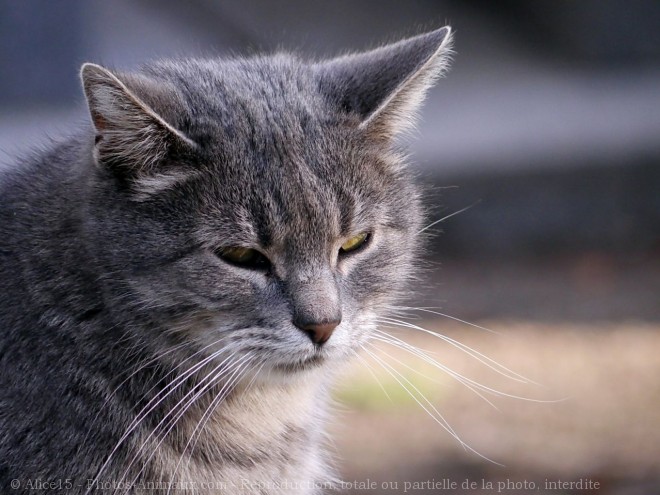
(604, 428)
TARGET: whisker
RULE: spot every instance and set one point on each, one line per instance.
(153, 432)
(241, 368)
(151, 405)
(437, 417)
(398, 377)
(210, 379)
(449, 216)
(371, 372)
(144, 364)
(474, 386)
(226, 389)
(139, 367)
(382, 336)
(482, 358)
(470, 384)
(444, 315)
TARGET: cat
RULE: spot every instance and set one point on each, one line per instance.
(183, 277)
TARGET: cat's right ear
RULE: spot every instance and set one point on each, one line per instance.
(383, 88)
(131, 138)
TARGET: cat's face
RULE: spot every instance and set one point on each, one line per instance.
(257, 205)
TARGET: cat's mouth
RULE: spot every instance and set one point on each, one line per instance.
(302, 364)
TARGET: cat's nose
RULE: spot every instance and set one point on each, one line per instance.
(319, 332)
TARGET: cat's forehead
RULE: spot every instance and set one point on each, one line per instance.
(260, 96)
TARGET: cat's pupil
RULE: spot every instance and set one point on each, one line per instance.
(244, 257)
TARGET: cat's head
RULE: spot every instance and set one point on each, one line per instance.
(258, 206)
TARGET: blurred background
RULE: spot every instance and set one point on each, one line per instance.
(548, 128)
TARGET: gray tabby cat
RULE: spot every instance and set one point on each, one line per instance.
(181, 279)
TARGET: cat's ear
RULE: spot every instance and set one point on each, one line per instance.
(131, 138)
(385, 87)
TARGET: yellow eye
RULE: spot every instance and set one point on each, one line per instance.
(354, 243)
(244, 257)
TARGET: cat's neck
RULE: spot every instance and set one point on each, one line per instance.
(263, 433)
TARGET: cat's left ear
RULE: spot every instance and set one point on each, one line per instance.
(132, 139)
(385, 87)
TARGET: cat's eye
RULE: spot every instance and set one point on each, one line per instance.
(244, 257)
(355, 243)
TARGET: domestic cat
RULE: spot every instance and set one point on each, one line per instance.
(182, 278)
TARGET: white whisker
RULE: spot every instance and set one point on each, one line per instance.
(449, 216)
(225, 390)
(444, 315)
(136, 370)
(179, 409)
(482, 358)
(152, 404)
(431, 410)
(395, 374)
(371, 372)
(472, 385)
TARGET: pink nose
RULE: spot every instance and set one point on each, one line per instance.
(319, 332)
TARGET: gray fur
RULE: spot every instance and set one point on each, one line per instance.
(112, 287)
